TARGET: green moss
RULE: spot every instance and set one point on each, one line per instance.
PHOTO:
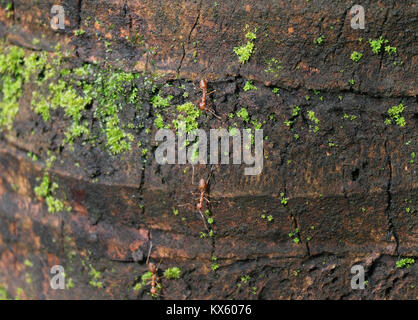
(319, 40)
(113, 89)
(159, 102)
(118, 141)
(244, 52)
(349, 117)
(257, 125)
(54, 204)
(9, 10)
(46, 190)
(67, 98)
(233, 131)
(145, 278)
(71, 90)
(243, 114)
(214, 266)
(41, 106)
(19, 294)
(295, 236)
(249, 86)
(59, 94)
(390, 50)
(356, 56)
(32, 156)
(251, 35)
(11, 71)
(376, 44)
(28, 263)
(45, 187)
(144, 153)
(9, 107)
(158, 121)
(284, 200)
(138, 286)
(12, 62)
(395, 114)
(295, 113)
(413, 155)
(273, 66)
(404, 263)
(70, 283)
(79, 32)
(172, 273)
(296, 110)
(314, 119)
(34, 63)
(75, 131)
(187, 113)
(95, 278)
(3, 293)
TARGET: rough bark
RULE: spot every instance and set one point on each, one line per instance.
(351, 186)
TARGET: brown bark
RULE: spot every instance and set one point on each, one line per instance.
(327, 185)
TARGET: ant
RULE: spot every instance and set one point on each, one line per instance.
(154, 270)
(202, 188)
(205, 94)
(199, 206)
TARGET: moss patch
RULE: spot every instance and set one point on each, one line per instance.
(244, 52)
(12, 78)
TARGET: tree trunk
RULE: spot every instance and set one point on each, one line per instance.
(338, 186)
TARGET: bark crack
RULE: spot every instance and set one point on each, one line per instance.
(79, 5)
(196, 22)
(388, 210)
(381, 31)
(292, 217)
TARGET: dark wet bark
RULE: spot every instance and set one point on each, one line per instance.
(351, 186)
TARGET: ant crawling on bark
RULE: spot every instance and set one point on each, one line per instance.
(203, 188)
(154, 270)
(204, 102)
(199, 206)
